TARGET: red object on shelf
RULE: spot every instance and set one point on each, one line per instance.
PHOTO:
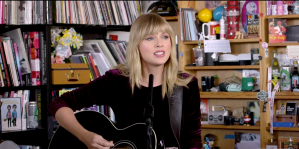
(233, 15)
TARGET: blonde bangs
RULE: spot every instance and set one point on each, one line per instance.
(144, 25)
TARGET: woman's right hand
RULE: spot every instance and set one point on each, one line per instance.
(95, 141)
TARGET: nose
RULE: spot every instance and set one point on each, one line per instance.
(159, 43)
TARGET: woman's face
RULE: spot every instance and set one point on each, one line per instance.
(155, 49)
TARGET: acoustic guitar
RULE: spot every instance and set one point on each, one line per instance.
(131, 137)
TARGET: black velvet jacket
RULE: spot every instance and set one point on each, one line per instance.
(114, 90)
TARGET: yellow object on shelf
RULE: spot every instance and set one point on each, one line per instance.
(205, 15)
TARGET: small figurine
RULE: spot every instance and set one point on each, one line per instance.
(201, 36)
(247, 119)
(239, 35)
(207, 146)
(290, 145)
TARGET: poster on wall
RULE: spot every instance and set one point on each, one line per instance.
(250, 18)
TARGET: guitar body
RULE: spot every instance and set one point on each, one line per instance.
(131, 137)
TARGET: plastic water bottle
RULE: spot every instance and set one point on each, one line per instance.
(222, 29)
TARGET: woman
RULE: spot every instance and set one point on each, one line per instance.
(151, 50)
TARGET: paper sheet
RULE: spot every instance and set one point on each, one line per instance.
(292, 52)
(220, 46)
(249, 145)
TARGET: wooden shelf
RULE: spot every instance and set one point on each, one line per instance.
(170, 18)
(283, 44)
(222, 67)
(229, 95)
(284, 128)
(25, 137)
(234, 127)
(293, 16)
(14, 88)
(287, 95)
(247, 40)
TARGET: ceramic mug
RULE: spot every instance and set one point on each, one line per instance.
(212, 27)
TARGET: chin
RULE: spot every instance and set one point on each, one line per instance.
(159, 63)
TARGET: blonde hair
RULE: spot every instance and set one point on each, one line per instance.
(143, 26)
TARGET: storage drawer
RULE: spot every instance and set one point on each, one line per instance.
(286, 118)
(70, 74)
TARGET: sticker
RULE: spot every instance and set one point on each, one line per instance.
(181, 54)
(266, 53)
(262, 95)
(265, 45)
(261, 14)
(229, 136)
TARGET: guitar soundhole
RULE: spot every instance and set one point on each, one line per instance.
(123, 147)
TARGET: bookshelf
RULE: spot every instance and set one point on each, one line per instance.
(230, 100)
(221, 67)
(170, 18)
(231, 127)
(41, 136)
(247, 40)
(279, 96)
(289, 129)
(228, 95)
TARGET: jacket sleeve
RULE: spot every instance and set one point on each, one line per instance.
(191, 128)
(86, 95)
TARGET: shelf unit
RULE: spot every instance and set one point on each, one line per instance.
(290, 129)
(38, 136)
(27, 137)
(283, 44)
(230, 100)
(229, 95)
(221, 67)
(246, 40)
(170, 18)
(266, 62)
(293, 16)
(232, 127)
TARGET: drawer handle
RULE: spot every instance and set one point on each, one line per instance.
(72, 75)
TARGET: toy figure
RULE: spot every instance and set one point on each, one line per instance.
(247, 119)
(8, 116)
(14, 115)
(207, 146)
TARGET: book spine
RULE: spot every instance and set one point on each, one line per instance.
(39, 105)
(25, 100)
(1, 12)
(8, 67)
(35, 58)
(42, 58)
(85, 61)
(90, 65)
(93, 65)
(3, 69)
(27, 42)
(15, 63)
(18, 68)
(50, 12)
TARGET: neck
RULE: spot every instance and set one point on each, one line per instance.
(156, 71)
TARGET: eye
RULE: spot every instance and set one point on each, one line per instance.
(165, 37)
(149, 38)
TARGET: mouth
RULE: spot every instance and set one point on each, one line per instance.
(159, 53)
